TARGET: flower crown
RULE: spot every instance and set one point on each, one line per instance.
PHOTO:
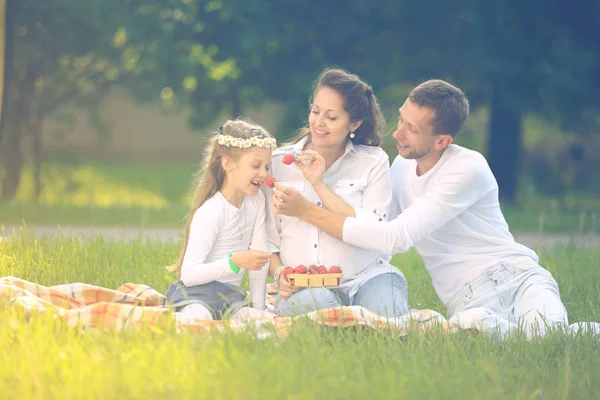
(227, 140)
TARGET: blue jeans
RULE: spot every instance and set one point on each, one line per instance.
(385, 294)
(222, 299)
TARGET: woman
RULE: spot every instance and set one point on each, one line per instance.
(338, 166)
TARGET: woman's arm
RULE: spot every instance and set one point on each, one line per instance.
(332, 201)
(377, 194)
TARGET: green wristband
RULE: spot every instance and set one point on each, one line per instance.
(233, 267)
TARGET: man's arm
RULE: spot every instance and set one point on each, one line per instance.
(452, 194)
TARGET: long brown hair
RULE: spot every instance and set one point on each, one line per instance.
(209, 179)
(359, 102)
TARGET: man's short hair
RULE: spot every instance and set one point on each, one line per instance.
(449, 103)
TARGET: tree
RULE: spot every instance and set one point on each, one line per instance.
(516, 58)
(8, 29)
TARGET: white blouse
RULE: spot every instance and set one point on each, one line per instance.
(361, 177)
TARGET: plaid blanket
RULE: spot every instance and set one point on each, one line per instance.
(137, 306)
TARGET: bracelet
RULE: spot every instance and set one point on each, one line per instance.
(233, 267)
(276, 276)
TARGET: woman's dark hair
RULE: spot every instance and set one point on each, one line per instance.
(359, 102)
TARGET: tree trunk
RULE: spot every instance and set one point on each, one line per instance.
(505, 141)
(8, 37)
(21, 96)
(236, 105)
(12, 161)
(36, 151)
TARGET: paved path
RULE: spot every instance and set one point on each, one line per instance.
(531, 240)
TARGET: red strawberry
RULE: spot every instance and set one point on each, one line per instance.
(313, 269)
(335, 270)
(322, 269)
(300, 269)
(288, 159)
(287, 271)
(270, 181)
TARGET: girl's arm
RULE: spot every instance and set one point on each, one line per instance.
(204, 230)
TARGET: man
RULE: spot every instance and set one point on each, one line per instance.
(447, 200)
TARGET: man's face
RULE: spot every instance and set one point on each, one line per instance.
(415, 135)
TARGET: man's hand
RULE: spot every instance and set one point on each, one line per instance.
(287, 201)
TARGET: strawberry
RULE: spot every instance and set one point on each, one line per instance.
(322, 269)
(300, 269)
(287, 271)
(270, 181)
(313, 269)
(288, 159)
(335, 270)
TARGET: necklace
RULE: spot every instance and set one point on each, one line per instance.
(237, 220)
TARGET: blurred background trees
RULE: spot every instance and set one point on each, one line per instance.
(522, 64)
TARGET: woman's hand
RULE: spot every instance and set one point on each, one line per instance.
(285, 288)
(312, 165)
(251, 259)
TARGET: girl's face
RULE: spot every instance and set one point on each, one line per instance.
(329, 122)
(248, 172)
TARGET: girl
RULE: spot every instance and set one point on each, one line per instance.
(225, 232)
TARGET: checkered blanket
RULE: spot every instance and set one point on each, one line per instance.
(137, 307)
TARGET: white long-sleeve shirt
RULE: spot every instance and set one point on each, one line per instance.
(452, 217)
(361, 177)
(219, 228)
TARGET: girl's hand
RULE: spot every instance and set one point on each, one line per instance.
(251, 259)
(312, 165)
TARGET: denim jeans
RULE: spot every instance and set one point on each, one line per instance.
(385, 294)
(513, 296)
(222, 299)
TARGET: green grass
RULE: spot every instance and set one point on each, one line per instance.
(157, 195)
(170, 216)
(45, 360)
(173, 216)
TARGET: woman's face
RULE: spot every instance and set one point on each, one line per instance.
(329, 122)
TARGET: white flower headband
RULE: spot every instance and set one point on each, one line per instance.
(227, 140)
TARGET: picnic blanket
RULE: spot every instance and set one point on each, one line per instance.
(138, 306)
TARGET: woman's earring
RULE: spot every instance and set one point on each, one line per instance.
(352, 135)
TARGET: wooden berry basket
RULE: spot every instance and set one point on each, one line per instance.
(314, 280)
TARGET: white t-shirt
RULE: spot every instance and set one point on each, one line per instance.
(451, 215)
(219, 228)
(361, 177)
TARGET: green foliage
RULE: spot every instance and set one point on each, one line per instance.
(220, 57)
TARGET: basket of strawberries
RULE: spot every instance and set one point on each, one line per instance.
(313, 276)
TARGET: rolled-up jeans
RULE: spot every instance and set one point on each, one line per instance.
(385, 294)
(221, 299)
(514, 296)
